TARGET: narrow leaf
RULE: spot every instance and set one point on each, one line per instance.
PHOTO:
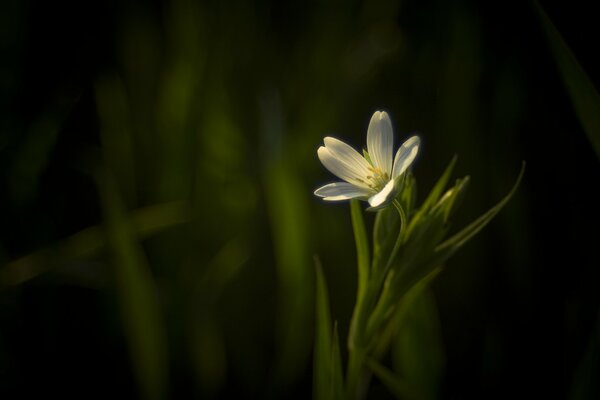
(417, 350)
(116, 134)
(585, 384)
(385, 231)
(581, 90)
(287, 206)
(452, 198)
(137, 296)
(408, 193)
(456, 241)
(88, 242)
(439, 187)
(434, 195)
(322, 365)
(337, 377)
(396, 386)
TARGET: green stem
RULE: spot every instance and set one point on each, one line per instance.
(357, 375)
(403, 225)
(380, 309)
(399, 242)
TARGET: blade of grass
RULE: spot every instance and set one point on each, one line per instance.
(117, 140)
(337, 375)
(417, 351)
(396, 386)
(288, 209)
(581, 90)
(206, 340)
(86, 243)
(140, 309)
(434, 195)
(438, 189)
(455, 242)
(288, 214)
(322, 365)
(585, 384)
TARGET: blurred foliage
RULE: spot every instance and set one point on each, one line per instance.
(189, 274)
(583, 94)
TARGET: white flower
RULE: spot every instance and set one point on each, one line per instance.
(374, 178)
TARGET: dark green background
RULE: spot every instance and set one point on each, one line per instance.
(223, 105)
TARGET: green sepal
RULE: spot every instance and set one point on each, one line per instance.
(367, 157)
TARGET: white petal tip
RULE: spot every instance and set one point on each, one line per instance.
(384, 197)
(405, 156)
(339, 191)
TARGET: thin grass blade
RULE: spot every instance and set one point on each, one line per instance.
(137, 293)
(581, 89)
(322, 366)
(455, 242)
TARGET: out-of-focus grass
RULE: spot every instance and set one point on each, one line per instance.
(418, 352)
(138, 297)
(586, 103)
(327, 366)
(581, 90)
(211, 222)
(287, 205)
(90, 241)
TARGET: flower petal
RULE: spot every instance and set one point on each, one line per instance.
(346, 154)
(385, 196)
(340, 168)
(405, 156)
(341, 191)
(380, 141)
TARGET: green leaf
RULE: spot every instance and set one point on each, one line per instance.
(434, 195)
(362, 248)
(449, 246)
(413, 266)
(208, 353)
(88, 242)
(287, 204)
(408, 193)
(581, 90)
(417, 351)
(452, 198)
(385, 232)
(396, 386)
(418, 258)
(337, 376)
(437, 190)
(116, 134)
(585, 384)
(137, 292)
(323, 372)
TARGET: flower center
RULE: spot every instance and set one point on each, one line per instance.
(378, 179)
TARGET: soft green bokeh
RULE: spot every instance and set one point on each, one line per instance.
(157, 222)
